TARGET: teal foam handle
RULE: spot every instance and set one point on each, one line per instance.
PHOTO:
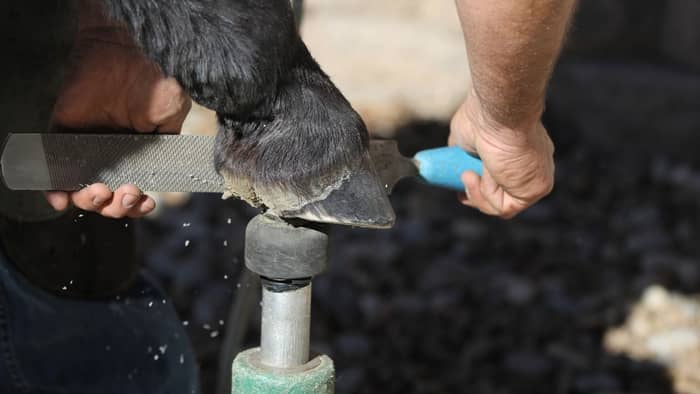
(444, 166)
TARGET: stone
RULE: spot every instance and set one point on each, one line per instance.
(667, 345)
(663, 327)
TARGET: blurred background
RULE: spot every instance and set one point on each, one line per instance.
(593, 290)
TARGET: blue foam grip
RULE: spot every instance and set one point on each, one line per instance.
(444, 166)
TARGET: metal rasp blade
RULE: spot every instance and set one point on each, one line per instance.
(182, 163)
(391, 166)
(153, 162)
(71, 161)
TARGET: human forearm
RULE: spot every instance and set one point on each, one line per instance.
(512, 47)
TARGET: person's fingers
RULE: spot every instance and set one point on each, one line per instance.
(462, 131)
(453, 139)
(145, 206)
(58, 200)
(91, 198)
(124, 199)
(473, 196)
(458, 129)
(128, 200)
(502, 203)
(484, 194)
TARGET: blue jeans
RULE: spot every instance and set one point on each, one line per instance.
(130, 344)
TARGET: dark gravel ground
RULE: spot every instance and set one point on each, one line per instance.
(451, 301)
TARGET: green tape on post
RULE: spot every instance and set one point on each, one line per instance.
(250, 377)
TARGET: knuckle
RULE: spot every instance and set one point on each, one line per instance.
(549, 187)
(170, 104)
(171, 86)
(144, 124)
(128, 188)
(541, 186)
(546, 186)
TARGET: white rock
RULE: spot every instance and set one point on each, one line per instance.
(655, 297)
(668, 345)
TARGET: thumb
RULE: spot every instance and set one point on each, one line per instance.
(461, 132)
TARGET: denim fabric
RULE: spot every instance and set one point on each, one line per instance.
(130, 344)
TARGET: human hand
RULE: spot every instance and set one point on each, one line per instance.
(110, 85)
(518, 164)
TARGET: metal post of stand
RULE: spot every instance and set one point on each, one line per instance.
(287, 256)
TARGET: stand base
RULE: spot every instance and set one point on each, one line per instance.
(249, 376)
